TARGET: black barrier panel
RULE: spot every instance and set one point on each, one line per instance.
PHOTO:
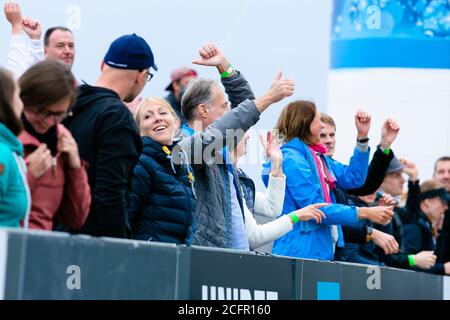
(219, 275)
(318, 281)
(431, 287)
(400, 284)
(55, 266)
(362, 282)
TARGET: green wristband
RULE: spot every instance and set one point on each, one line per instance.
(387, 151)
(411, 260)
(294, 218)
(227, 73)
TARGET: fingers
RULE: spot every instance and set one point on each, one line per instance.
(393, 245)
(386, 241)
(316, 213)
(320, 205)
(263, 141)
(363, 116)
(279, 75)
(386, 215)
(208, 51)
(197, 62)
(66, 144)
(392, 124)
(321, 215)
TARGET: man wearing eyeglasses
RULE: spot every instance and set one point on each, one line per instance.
(107, 135)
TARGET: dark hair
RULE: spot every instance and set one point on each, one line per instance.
(50, 31)
(198, 91)
(295, 121)
(45, 84)
(446, 158)
(7, 114)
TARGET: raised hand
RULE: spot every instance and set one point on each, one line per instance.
(40, 161)
(410, 169)
(272, 150)
(363, 120)
(281, 88)
(69, 148)
(212, 55)
(389, 133)
(312, 212)
(32, 28)
(14, 15)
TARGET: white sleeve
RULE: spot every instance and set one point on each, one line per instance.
(271, 204)
(259, 235)
(18, 58)
(35, 52)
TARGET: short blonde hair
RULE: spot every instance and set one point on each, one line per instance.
(155, 101)
(328, 120)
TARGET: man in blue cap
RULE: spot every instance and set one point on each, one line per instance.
(107, 135)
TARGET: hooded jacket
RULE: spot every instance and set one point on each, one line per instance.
(310, 240)
(162, 198)
(212, 180)
(61, 192)
(14, 194)
(109, 142)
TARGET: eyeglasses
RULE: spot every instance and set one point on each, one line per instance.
(58, 116)
(149, 76)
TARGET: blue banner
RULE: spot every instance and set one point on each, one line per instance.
(391, 34)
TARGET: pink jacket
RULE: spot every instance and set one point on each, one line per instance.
(60, 192)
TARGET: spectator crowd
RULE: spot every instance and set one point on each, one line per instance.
(98, 159)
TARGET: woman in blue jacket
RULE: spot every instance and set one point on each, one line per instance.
(15, 199)
(163, 196)
(312, 177)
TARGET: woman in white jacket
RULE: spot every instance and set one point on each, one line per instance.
(270, 204)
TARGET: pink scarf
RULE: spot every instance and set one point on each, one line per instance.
(322, 149)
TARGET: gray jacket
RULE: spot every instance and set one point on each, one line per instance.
(212, 218)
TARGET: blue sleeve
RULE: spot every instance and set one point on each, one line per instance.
(140, 190)
(354, 175)
(338, 214)
(302, 186)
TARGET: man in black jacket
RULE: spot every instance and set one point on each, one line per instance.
(442, 175)
(107, 135)
(422, 234)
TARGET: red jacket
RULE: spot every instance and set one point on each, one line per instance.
(60, 192)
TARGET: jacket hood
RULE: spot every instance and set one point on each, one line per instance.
(8, 138)
(28, 140)
(88, 94)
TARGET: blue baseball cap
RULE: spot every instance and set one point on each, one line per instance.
(130, 52)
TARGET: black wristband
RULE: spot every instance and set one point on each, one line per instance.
(365, 140)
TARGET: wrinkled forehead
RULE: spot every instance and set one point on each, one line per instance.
(443, 165)
(61, 36)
